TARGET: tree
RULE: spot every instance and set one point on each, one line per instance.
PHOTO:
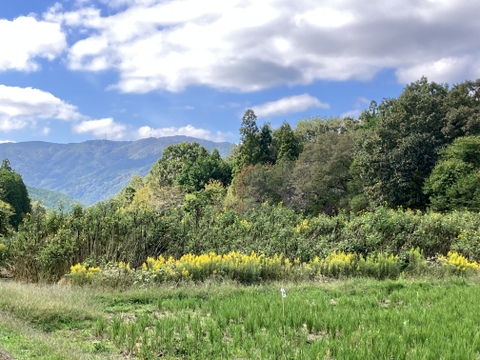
(249, 149)
(454, 183)
(463, 114)
(398, 155)
(172, 162)
(368, 118)
(261, 183)
(322, 173)
(14, 193)
(307, 130)
(267, 152)
(198, 172)
(287, 143)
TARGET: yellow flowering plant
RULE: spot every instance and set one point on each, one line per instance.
(457, 263)
(81, 274)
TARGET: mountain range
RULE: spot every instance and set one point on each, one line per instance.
(93, 170)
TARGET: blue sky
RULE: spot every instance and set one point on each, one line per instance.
(76, 70)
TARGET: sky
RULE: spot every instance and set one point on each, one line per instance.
(78, 70)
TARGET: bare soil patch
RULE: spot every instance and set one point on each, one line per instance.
(5, 356)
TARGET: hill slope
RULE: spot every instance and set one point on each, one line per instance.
(93, 170)
(51, 199)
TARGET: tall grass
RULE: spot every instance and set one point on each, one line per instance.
(353, 319)
(356, 318)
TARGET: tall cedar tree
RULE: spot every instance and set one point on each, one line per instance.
(249, 150)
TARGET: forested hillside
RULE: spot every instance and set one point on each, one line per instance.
(404, 175)
(51, 199)
(93, 170)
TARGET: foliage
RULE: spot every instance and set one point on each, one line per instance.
(287, 143)
(322, 173)
(249, 150)
(13, 192)
(458, 263)
(6, 211)
(174, 160)
(463, 110)
(339, 195)
(48, 243)
(3, 254)
(197, 172)
(81, 275)
(454, 183)
(416, 264)
(255, 185)
(253, 268)
(398, 155)
(94, 170)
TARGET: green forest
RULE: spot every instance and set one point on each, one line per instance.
(404, 175)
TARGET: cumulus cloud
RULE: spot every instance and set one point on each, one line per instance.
(289, 105)
(105, 128)
(24, 39)
(189, 130)
(24, 107)
(254, 45)
(450, 69)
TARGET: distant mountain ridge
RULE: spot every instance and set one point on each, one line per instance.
(93, 170)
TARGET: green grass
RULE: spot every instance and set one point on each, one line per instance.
(351, 319)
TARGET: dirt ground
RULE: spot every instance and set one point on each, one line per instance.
(4, 355)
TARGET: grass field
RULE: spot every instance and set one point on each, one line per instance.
(349, 319)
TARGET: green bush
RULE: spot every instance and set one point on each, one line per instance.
(380, 266)
(3, 254)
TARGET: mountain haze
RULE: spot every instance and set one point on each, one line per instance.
(93, 170)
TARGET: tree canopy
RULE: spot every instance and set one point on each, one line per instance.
(454, 183)
(14, 192)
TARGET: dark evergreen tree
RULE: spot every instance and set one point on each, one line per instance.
(14, 192)
(287, 143)
(249, 149)
(267, 153)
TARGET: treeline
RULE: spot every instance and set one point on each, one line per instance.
(405, 174)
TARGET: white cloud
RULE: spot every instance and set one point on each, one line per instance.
(252, 45)
(351, 114)
(24, 107)
(6, 141)
(450, 69)
(105, 128)
(189, 130)
(289, 105)
(24, 39)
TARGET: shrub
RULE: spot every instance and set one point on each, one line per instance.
(415, 262)
(457, 263)
(3, 254)
(81, 275)
(337, 264)
(380, 266)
